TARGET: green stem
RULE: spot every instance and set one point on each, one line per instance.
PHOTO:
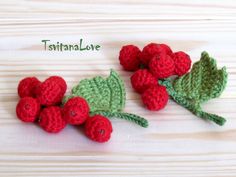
(213, 117)
(126, 116)
(195, 108)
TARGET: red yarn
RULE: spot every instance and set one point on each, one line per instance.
(182, 62)
(98, 128)
(60, 81)
(155, 98)
(142, 80)
(76, 111)
(152, 49)
(167, 49)
(26, 87)
(129, 57)
(51, 120)
(49, 93)
(162, 66)
(27, 109)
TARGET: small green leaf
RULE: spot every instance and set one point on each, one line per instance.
(204, 82)
(102, 94)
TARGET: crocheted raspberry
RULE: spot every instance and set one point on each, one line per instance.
(50, 119)
(162, 66)
(60, 81)
(129, 57)
(76, 111)
(26, 87)
(142, 80)
(27, 109)
(98, 128)
(155, 98)
(49, 93)
(182, 62)
(152, 49)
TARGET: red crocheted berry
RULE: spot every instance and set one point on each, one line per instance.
(129, 57)
(167, 49)
(155, 98)
(150, 50)
(162, 66)
(60, 81)
(142, 80)
(26, 87)
(76, 111)
(50, 119)
(182, 62)
(27, 109)
(98, 128)
(49, 93)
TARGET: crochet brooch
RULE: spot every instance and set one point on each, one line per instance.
(90, 103)
(94, 100)
(155, 64)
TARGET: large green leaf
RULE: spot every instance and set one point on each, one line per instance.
(204, 82)
(102, 94)
(105, 96)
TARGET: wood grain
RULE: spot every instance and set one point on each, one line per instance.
(176, 144)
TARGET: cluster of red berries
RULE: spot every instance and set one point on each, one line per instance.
(155, 61)
(40, 102)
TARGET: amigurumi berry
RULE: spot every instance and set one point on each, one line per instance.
(152, 49)
(155, 98)
(60, 81)
(162, 66)
(142, 80)
(27, 109)
(129, 57)
(75, 111)
(182, 62)
(167, 49)
(26, 87)
(50, 119)
(98, 128)
(49, 93)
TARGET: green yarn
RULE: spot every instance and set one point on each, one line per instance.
(203, 83)
(105, 96)
(102, 94)
(126, 116)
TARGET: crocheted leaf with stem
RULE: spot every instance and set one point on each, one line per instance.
(102, 94)
(105, 96)
(201, 84)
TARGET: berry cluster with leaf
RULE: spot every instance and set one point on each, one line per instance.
(153, 68)
(90, 105)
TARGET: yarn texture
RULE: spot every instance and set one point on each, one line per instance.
(142, 80)
(49, 93)
(27, 86)
(155, 98)
(59, 81)
(98, 128)
(105, 96)
(202, 83)
(162, 66)
(167, 49)
(182, 62)
(51, 120)
(27, 109)
(75, 111)
(129, 57)
(151, 50)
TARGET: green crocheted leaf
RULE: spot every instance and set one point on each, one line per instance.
(102, 94)
(204, 82)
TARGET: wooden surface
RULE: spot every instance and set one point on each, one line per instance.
(177, 144)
